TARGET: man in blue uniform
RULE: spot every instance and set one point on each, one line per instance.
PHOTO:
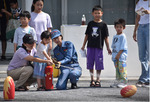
(66, 56)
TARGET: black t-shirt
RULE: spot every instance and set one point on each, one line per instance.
(96, 32)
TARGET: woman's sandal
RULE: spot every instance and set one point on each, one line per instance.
(41, 89)
(92, 83)
(97, 84)
(21, 88)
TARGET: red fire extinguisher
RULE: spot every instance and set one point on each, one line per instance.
(49, 77)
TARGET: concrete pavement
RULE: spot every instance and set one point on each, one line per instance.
(83, 93)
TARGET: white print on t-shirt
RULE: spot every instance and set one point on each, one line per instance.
(100, 59)
(114, 47)
(94, 34)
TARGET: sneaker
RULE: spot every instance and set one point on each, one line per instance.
(139, 84)
(74, 86)
(121, 85)
(146, 84)
(114, 84)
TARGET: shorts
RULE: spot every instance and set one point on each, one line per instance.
(95, 55)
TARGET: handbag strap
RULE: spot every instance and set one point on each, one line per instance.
(29, 30)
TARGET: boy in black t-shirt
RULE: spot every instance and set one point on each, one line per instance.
(96, 33)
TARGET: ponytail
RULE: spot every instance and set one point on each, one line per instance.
(24, 47)
(32, 8)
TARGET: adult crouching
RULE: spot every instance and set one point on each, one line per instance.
(66, 56)
(20, 68)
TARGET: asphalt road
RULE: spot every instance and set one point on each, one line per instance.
(83, 93)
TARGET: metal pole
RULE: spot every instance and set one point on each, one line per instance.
(149, 36)
(64, 17)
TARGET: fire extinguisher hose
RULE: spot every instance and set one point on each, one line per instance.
(69, 67)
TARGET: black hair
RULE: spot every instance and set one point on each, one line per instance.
(137, 1)
(24, 47)
(120, 21)
(13, 1)
(34, 1)
(61, 37)
(97, 7)
(29, 62)
(45, 34)
(25, 14)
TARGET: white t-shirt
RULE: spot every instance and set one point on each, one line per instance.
(40, 48)
(40, 22)
(146, 17)
(20, 32)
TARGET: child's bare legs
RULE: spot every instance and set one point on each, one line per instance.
(43, 82)
(92, 74)
(41, 86)
(39, 82)
(97, 82)
(92, 84)
(98, 72)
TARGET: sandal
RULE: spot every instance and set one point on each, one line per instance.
(97, 84)
(21, 88)
(92, 83)
(41, 89)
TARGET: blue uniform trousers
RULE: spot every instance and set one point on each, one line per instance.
(66, 73)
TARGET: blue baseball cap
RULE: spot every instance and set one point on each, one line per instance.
(55, 33)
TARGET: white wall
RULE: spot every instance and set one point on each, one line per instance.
(26, 5)
(75, 34)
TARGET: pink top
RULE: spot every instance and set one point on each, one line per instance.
(40, 22)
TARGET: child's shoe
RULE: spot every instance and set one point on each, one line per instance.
(121, 85)
(114, 84)
(146, 85)
(92, 83)
(139, 84)
(97, 84)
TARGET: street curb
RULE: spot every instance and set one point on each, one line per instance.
(83, 78)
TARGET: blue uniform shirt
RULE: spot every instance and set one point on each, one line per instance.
(66, 54)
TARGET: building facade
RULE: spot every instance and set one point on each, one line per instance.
(71, 11)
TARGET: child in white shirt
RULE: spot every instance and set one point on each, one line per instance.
(22, 30)
(39, 68)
